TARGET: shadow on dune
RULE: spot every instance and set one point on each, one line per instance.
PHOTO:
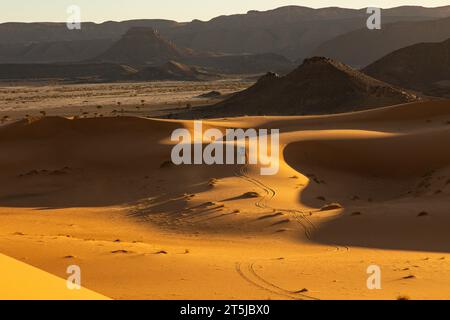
(57, 163)
(387, 186)
(394, 191)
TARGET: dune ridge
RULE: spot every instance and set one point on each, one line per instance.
(353, 190)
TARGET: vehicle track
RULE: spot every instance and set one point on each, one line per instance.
(249, 274)
(300, 216)
(269, 194)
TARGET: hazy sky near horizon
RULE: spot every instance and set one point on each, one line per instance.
(179, 10)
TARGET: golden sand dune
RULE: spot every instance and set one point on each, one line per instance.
(23, 282)
(353, 190)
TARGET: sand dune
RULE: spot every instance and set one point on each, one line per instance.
(22, 282)
(354, 189)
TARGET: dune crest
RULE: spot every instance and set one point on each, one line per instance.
(353, 189)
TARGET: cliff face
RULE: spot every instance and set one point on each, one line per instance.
(142, 46)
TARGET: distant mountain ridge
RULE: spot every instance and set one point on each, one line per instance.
(292, 31)
(143, 47)
(423, 67)
(362, 47)
(143, 54)
(53, 52)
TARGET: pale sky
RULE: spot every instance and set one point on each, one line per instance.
(179, 10)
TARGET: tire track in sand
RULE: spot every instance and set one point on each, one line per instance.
(250, 275)
(269, 194)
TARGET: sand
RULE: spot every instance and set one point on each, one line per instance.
(99, 193)
(21, 281)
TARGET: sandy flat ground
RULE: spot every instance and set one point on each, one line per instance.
(98, 193)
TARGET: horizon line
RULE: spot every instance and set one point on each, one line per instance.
(227, 15)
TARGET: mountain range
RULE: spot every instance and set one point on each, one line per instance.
(294, 32)
(409, 51)
(423, 67)
(362, 47)
(143, 47)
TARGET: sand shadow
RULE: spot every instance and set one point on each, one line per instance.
(383, 185)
